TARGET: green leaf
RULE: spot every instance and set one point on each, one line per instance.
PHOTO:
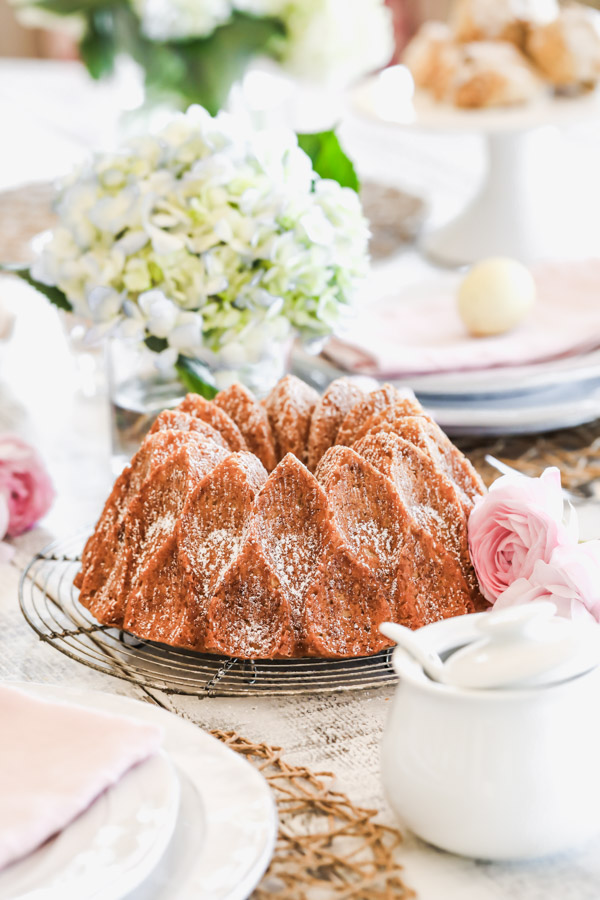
(196, 377)
(156, 344)
(328, 158)
(98, 47)
(204, 69)
(53, 294)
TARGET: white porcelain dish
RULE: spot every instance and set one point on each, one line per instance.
(227, 822)
(498, 774)
(111, 848)
(380, 99)
(509, 214)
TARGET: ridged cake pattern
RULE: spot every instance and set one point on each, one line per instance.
(220, 539)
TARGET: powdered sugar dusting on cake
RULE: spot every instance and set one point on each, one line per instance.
(362, 411)
(203, 409)
(290, 407)
(199, 547)
(216, 517)
(252, 420)
(331, 410)
(293, 526)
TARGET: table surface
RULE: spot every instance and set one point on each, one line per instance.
(56, 399)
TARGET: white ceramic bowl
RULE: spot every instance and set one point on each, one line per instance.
(492, 774)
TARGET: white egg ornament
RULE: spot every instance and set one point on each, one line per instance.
(495, 296)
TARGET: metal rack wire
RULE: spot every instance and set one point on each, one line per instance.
(49, 602)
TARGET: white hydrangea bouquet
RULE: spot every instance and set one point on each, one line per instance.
(192, 51)
(209, 242)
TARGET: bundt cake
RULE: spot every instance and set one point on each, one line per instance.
(284, 529)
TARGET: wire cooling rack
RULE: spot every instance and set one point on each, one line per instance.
(49, 602)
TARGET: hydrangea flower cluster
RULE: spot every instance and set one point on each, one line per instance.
(338, 40)
(209, 238)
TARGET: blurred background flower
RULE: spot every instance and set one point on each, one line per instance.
(193, 52)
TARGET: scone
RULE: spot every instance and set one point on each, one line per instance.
(500, 20)
(425, 54)
(489, 73)
(567, 50)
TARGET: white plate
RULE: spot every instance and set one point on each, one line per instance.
(227, 822)
(380, 99)
(546, 411)
(561, 402)
(111, 848)
(498, 384)
(510, 380)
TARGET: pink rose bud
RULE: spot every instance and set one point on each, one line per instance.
(25, 486)
(518, 522)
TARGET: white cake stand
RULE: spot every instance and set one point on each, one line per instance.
(516, 211)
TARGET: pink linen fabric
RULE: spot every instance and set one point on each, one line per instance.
(401, 335)
(55, 760)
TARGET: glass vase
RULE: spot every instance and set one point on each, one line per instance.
(139, 390)
(259, 375)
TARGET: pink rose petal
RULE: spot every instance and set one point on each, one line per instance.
(24, 484)
(517, 523)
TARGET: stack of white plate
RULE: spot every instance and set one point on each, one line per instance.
(511, 400)
(515, 400)
(197, 820)
(542, 376)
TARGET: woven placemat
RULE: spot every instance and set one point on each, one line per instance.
(24, 212)
(327, 848)
(576, 452)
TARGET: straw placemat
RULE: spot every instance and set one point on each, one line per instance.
(327, 848)
(576, 452)
(24, 212)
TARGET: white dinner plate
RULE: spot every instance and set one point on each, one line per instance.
(108, 850)
(546, 411)
(227, 821)
(510, 380)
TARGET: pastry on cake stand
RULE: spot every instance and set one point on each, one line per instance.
(510, 214)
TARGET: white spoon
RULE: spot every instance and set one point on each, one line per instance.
(429, 661)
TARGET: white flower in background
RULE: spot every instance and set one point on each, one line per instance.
(336, 40)
(209, 238)
(164, 20)
(332, 40)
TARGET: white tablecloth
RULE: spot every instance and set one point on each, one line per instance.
(57, 401)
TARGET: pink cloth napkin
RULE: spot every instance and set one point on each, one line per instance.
(418, 331)
(55, 760)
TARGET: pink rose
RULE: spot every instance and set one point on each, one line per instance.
(518, 522)
(25, 486)
(6, 552)
(571, 580)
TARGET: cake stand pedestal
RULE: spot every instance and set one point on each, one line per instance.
(523, 208)
(511, 214)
